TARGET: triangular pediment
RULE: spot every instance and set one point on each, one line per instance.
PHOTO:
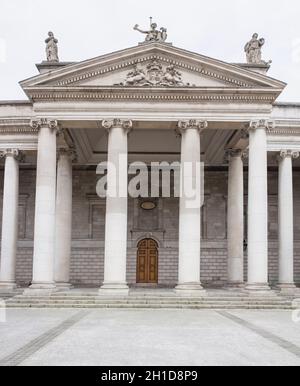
(152, 65)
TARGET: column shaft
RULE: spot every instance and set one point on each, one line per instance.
(116, 208)
(258, 208)
(9, 221)
(44, 225)
(235, 220)
(189, 211)
(63, 228)
(286, 221)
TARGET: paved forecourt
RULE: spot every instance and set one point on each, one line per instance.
(123, 337)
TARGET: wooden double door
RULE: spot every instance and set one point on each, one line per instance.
(147, 262)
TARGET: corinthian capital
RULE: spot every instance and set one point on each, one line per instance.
(192, 124)
(44, 122)
(288, 153)
(111, 123)
(265, 124)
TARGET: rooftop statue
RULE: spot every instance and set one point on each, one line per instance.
(153, 35)
(253, 50)
(51, 48)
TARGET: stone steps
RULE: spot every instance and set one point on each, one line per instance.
(155, 298)
(150, 302)
(153, 306)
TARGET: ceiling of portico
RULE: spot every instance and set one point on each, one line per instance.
(148, 143)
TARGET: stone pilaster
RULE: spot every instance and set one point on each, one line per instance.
(190, 213)
(116, 208)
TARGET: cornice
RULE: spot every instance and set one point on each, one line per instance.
(16, 126)
(287, 127)
(285, 131)
(153, 94)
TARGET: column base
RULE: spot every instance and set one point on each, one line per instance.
(287, 289)
(189, 289)
(63, 286)
(40, 289)
(114, 289)
(258, 289)
(235, 285)
(7, 286)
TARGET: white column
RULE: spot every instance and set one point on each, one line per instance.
(190, 209)
(63, 228)
(44, 223)
(258, 207)
(9, 220)
(286, 220)
(116, 208)
(235, 219)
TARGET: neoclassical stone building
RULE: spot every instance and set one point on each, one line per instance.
(152, 102)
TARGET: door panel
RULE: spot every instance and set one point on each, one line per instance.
(147, 262)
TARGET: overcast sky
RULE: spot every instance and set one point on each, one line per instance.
(88, 28)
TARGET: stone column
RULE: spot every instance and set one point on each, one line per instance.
(258, 207)
(286, 220)
(63, 228)
(235, 219)
(9, 220)
(44, 223)
(116, 208)
(190, 209)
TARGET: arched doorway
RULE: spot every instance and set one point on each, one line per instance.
(147, 262)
